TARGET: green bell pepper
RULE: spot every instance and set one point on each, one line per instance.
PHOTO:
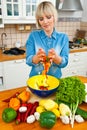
(9, 114)
(47, 119)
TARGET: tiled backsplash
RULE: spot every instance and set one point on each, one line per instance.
(66, 26)
(13, 36)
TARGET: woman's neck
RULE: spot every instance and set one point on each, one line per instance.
(49, 33)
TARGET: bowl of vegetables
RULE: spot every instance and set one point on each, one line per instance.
(43, 85)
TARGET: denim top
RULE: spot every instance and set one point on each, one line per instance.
(38, 39)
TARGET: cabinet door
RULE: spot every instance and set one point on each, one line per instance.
(29, 8)
(15, 73)
(77, 65)
(1, 76)
(21, 11)
(13, 11)
(1, 14)
(12, 8)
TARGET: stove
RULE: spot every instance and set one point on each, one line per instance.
(73, 45)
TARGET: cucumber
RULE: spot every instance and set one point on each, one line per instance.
(82, 113)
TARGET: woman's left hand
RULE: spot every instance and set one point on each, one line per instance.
(52, 55)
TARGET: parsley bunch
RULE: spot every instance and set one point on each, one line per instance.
(72, 91)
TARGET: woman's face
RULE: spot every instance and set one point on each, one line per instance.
(47, 23)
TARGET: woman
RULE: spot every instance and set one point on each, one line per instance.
(46, 41)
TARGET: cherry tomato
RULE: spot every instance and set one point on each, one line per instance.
(43, 88)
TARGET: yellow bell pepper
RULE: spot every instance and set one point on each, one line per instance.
(56, 112)
(40, 109)
(49, 104)
(42, 102)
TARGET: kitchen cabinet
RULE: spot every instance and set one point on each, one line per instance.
(84, 14)
(21, 11)
(12, 11)
(1, 76)
(15, 73)
(1, 14)
(77, 65)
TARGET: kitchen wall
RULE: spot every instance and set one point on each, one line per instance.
(66, 25)
(68, 22)
(70, 25)
(13, 35)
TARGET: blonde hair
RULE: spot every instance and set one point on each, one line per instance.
(46, 8)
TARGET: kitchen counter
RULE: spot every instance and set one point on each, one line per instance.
(4, 57)
(76, 49)
(36, 126)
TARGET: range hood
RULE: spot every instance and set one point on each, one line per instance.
(68, 5)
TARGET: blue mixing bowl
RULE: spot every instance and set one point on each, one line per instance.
(35, 82)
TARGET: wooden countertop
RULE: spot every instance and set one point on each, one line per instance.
(79, 49)
(4, 57)
(36, 126)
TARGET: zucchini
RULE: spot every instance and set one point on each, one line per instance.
(82, 113)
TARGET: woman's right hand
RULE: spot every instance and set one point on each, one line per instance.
(39, 57)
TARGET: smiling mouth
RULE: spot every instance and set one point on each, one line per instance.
(46, 26)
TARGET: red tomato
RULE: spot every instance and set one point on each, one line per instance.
(43, 88)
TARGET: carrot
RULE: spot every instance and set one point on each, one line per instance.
(35, 105)
(14, 103)
(24, 96)
(46, 65)
(13, 96)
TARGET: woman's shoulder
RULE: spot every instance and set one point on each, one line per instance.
(34, 34)
(35, 31)
(61, 34)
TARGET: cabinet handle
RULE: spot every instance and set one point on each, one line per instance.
(19, 61)
(74, 72)
(75, 60)
(76, 54)
(1, 80)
